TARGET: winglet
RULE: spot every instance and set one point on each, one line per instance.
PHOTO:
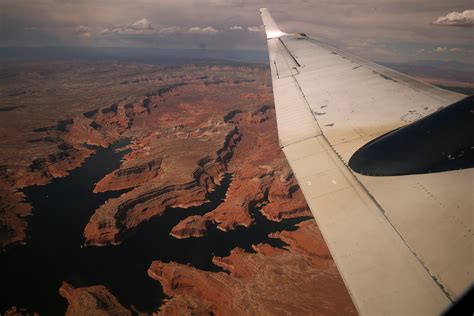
(271, 28)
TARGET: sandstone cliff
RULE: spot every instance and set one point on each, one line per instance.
(261, 179)
(302, 280)
(92, 300)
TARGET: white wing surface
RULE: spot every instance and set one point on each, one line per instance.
(395, 210)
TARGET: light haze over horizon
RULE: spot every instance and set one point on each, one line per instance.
(389, 31)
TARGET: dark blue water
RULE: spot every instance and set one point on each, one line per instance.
(31, 275)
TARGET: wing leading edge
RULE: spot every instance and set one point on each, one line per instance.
(403, 244)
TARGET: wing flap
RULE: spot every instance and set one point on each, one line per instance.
(381, 273)
(294, 119)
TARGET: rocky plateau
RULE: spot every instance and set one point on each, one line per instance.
(188, 127)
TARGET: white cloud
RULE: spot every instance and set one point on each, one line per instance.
(171, 30)
(83, 31)
(140, 27)
(235, 28)
(191, 30)
(451, 50)
(445, 50)
(460, 50)
(143, 29)
(256, 28)
(202, 30)
(454, 18)
(123, 31)
(142, 24)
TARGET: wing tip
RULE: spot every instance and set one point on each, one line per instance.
(271, 28)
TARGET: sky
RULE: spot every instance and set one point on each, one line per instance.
(380, 30)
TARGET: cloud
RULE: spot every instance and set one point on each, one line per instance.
(454, 18)
(256, 28)
(140, 27)
(125, 31)
(83, 31)
(171, 30)
(451, 50)
(445, 50)
(144, 27)
(235, 28)
(191, 30)
(202, 30)
(460, 50)
(142, 24)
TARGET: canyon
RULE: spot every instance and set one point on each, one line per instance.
(193, 132)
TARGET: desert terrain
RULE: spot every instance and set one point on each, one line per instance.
(200, 150)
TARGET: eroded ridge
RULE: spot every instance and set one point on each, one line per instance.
(66, 112)
(187, 174)
(93, 300)
(261, 179)
(184, 179)
(302, 279)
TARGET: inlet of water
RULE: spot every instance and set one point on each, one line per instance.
(31, 275)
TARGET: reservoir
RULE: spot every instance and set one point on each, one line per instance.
(31, 275)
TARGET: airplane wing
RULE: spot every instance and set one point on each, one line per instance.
(385, 163)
